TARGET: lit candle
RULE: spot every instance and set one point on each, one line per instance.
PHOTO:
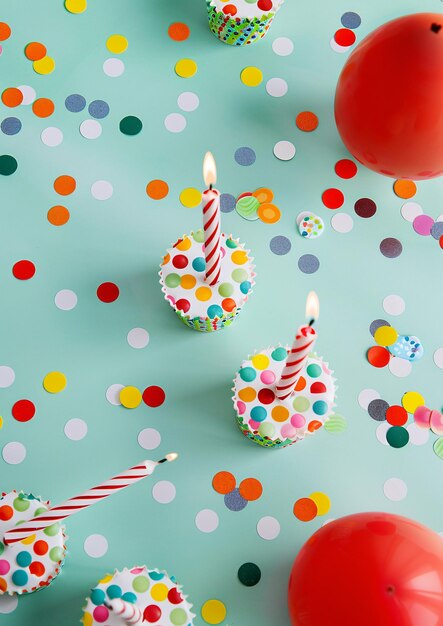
(211, 221)
(128, 613)
(303, 344)
(73, 505)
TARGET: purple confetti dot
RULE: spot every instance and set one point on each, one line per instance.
(308, 264)
(245, 156)
(365, 207)
(234, 501)
(227, 203)
(280, 245)
(391, 247)
(423, 224)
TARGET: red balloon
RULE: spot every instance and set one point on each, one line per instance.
(389, 98)
(368, 569)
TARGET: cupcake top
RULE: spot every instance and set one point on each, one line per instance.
(246, 8)
(30, 564)
(264, 414)
(158, 597)
(182, 276)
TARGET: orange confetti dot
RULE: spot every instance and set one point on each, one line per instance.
(263, 195)
(35, 51)
(5, 31)
(43, 107)
(269, 213)
(251, 489)
(405, 188)
(58, 215)
(12, 97)
(65, 185)
(157, 189)
(224, 482)
(305, 509)
(306, 121)
(179, 31)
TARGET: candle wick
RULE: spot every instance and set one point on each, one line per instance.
(210, 186)
(108, 606)
(162, 461)
(311, 323)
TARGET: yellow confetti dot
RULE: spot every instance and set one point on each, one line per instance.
(385, 336)
(54, 382)
(186, 68)
(130, 397)
(116, 44)
(203, 294)
(76, 6)
(404, 188)
(247, 394)
(213, 611)
(1, 421)
(87, 619)
(412, 400)
(260, 361)
(44, 66)
(322, 501)
(190, 197)
(159, 592)
(251, 76)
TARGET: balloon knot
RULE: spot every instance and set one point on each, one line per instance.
(436, 28)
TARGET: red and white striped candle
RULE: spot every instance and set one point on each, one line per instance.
(303, 344)
(129, 613)
(211, 222)
(73, 505)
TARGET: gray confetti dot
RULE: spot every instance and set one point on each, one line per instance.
(75, 103)
(234, 501)
(227, 203)
(245, 156)
(391, 247)
(437, 230)
(377, 409)
(280, 245)
(377, 324)
(11, 125)
(350, 19)
(98, 109)
(308, 264)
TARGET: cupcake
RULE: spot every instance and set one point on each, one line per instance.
(135, 596)
(273, 422)
(241, 22)
(33, 563)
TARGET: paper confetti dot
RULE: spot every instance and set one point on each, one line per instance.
(284, 150)
(337, 48)
(381, 431)
(342, 222)
(405, 188)
(29, 94)
(149, 439)
(249, 574)
(213, 611)
(411, 210)
(113, 394)
(350, 19)
(102, 190)
(344, 37)
(76, 429)
(234, 501)
(116, 44)
(377, 324)
(108, 292)
(400, 367)
(333, 198)
(395, 489)
(308, 263)
(178, 31)
(391, 248)
(98, 109)
(305, 509)
(365, 207)
(23, 410)
(75, 103)
(113, 67)
(378, 356)
(377, 409)
(12, 97)
(206, 521)
(44, 66)
(245, 156)
(51, 136)
(345, 168)
(8, 165)
(175, 122)
(130, 125)
(186, 68)
(280, 245)
(130, 397)
(223, 482)
(138, 338)
(54, 382)
(322, 501)
(385, 335)
(418, 436)
(5, 31)
(268, 528)
(251, 76)
(43, 107)
(14, 453)
(423, 224)
(8, 604)
(95, 546)
(58, 215)
(163, 492)
(251, 489)
(188, 101)
(7, 376)
(283, 46)
(366, 396)
(227, 203)
(394, 305)
(277, 87)
(76, 6)
(154, 396)
(157, 189)
(438, 358)
(23, 270)
(397, 436)
(64, 185)
(11, 126)
(90, 129)
(411, 400)
(307, 121)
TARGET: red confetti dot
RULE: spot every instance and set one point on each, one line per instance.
(40, 547)
(266, 396)
(441, 241)
(23, 410)
(345, 168)
(396, 415)
(333, 198)
(179, 261)
(152, 613)
(23, 270)
(6, 513)
(183, 305)
(37, 568)
(154, 396)
(345, 37)
(378, 356)
(174, 596)
(108, 292)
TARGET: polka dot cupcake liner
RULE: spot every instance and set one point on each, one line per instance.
(238, 31)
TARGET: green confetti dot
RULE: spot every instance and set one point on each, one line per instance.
(131, 125)
(397, 436)
(249, 574)
(8, 165)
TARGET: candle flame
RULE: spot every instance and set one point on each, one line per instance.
(171, 456)
(312, 306)
(209, 169)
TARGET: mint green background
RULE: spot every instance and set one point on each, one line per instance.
(123, 240)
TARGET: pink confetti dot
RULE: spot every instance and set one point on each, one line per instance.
(423, 224)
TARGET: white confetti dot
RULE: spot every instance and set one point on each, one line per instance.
(90, 129)
(268, 528)
(113, 67)
(102, 190)
(342, 222)
(438, 358)
(66, 299)
(366, 396)
(7, 376)
(283, 46)
(400, 367)
(394, 305)
(29, 94)
(8, 604)
(52, 136)
(14, 452)
(138, 338)
(113, 394)
(337, 48)
(284, 150)
(417, 436)
(395, 489)
(206, 521)
(188, 101)
(149, 438)
(163, 491)
(96, 546)
(439, 218)
(76, 429)
(175, 122)
(277, 87)
(381, 431)
(411, 210)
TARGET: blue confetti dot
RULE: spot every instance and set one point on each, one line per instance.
(234, 501)
(351, 19)
(75, 103)
(199, 264)
(258, 413)
(245, 286)
(129, 597)
(215, 311)
(227, 203)
(114, 591)
(280, 245)
(279, 354)
(98, 109)
(437, 230)
(23, 559)
(20, 578)
(308, 264)
(11, 125)
(97, 596)
(320, 407)
(156, 575)
(247, 374)
(245, 156)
